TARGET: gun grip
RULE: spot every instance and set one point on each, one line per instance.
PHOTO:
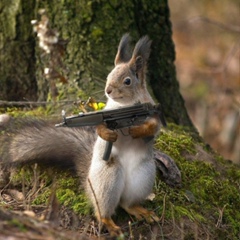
(107, 151)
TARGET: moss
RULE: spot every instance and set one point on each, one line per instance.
(69, 194)
(8, 17)
(208, 196)
(23, 174)
(175, 141)
(67, 188)
(17, 55)
(41, 111)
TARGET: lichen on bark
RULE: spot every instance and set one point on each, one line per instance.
(17, 71)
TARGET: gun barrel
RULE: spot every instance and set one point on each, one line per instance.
(82, 120)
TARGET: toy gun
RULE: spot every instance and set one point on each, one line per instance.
(114, 119)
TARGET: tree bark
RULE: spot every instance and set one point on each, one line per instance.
(17, 55)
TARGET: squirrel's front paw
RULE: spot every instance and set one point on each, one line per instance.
(137, 131)
(106, 133)
(147, 129)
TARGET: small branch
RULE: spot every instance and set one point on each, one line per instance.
(24, 103)
(98, 208)
(220, 218)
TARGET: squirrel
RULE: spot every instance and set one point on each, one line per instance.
(127, 178)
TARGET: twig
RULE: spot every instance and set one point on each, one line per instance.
(35, 183)
(24, 103)
(164, 208)
(130, 230)
(95, 198)
(26, 207)
(219, 221)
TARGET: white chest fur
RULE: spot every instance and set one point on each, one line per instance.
(135, 158)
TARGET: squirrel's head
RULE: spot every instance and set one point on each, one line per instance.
(126, 82)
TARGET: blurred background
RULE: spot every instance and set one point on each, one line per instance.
(206, 36)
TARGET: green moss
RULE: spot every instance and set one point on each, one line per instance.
(175, 141)
(9, 18)
(41, 111)
(209, 195)
(24, 112)
(42, 198)
(69, 194)
(67, 188)
(23, 174)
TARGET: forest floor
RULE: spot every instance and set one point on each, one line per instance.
(45, 203)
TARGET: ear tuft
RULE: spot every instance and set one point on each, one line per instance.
(139, 59)
(142, 48)
(124, 53)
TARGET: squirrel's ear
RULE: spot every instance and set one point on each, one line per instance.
(139, 63)
(142, 49)
(141, 52)
(123, 54)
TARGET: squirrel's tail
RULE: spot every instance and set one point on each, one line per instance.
(38, 141)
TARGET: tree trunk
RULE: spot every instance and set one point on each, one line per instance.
(17, 56)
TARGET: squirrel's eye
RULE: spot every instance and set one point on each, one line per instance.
(127, 81)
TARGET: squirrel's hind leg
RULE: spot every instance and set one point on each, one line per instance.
(105, 199)
(112, 228)
(141, 213)
(105, 185)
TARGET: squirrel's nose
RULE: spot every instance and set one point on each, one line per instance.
(108, 90)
